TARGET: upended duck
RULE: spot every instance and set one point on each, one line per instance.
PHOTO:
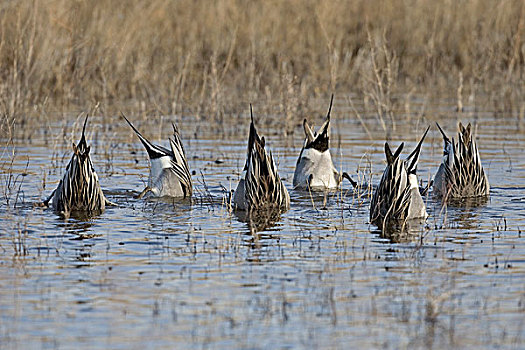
(315, 168)
(460, 174)
(260, 186)
(79, 190)
(397, 198)
(169, 174)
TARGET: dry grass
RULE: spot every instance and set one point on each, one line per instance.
(208, 58)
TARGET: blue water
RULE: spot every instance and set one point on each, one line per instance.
(191, 274)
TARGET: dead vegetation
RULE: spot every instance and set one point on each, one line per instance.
(208, 58)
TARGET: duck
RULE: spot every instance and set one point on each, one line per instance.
(79, 190)
(260, 186)
(169, 174)
(314, 168)
(460, 174)
(397, 198)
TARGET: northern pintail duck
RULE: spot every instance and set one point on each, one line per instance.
(169, 174)
(79, 189)
(397, 198)
(260, 186)
(315, 168)
(460, 174)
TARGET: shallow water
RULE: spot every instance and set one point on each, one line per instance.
(190, 274)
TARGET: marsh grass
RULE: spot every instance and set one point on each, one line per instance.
(206, 59)
(11, 181)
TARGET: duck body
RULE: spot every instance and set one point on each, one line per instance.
(260, 186)
(169, 174)
(460, 174)
(314, 168)
(397, 198)
(79, 190)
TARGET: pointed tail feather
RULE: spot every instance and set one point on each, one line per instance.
(390, 158)
(142, 139)
(84, 127)
(154, 151)
(388, 154)
(330, 108)
(445, 138)
(413, 157)
(310, 136)
(82, 145)
(253, 137)
(325, 128)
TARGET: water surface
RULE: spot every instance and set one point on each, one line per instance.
(191, 274)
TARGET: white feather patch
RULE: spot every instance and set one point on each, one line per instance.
(317, 164)
(157, 165)
(412, 180)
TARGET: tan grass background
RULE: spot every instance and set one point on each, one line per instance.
(206, 58)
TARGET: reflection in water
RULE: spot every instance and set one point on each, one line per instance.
(468, 218)
(320, 200)
(81, 231)
(78, 226)
(80, 215)
(259, 220)
(409, 231)
(82, 257)
(167, 203)
(468, 202)
(464, 212)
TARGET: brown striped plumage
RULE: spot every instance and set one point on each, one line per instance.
(397, 197)
(79, 189)
(261, 187)
(461, 174)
